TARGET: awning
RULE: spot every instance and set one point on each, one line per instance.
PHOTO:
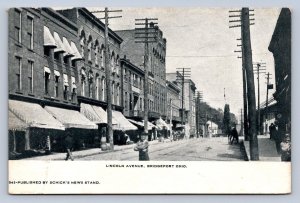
(73, 82)
(34, 115)
(68, 50)
(95, 113)
(66, 80)
(60, 46)
(71, 118)
(141, 124)
(123, 123)
(77, 55)
(46, 70)
(160, 123)
(56, 73)
(48, 38)
(14, 123)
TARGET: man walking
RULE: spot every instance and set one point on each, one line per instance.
(69, 147)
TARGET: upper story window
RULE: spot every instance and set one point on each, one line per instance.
(18, 26)
(83, 82)
(30, 76)
(46, 80)
(19, 73)
(102, 56)
(30, 31)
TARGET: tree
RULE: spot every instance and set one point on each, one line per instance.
(226, 119)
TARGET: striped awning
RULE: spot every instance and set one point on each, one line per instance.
(95, 113)
(77, 55)
(68, 50)
(123, 124)
(60, 46)
(141, 124)
(34, 115)
(160, 124)
(48, 38)
(71, 118)
(14, 123)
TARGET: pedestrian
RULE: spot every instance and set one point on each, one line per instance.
(272, 129)
(234, 136)
(277, 138)
(69, 147)
(142, 146)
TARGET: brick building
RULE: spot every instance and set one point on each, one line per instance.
(157, 77)
(173, 103)
(43, 78)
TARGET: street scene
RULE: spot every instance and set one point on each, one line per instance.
(149, 84)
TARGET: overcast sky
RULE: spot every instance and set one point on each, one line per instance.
(200, 39)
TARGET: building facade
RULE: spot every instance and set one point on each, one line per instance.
(188, 106)
(157, 78)
(173, 104)
(280, 46)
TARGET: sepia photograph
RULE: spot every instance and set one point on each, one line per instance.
(159, 88)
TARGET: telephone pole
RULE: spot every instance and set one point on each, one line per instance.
(198, 102)
(237, 14)
(244, 19)
(185, 74)
(260, 68)
(108, 75)
(146, 32)
(269, 86)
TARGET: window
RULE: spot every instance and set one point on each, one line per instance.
(46, 80)
(46, 51)
(102, 89)
(83, 82)
(56, 86)
(90, 84)
(82, 41)
(74, 89)
(126, 101)
(18, 26)
(102, 57)
(96, 55)
(66, 87)
(30, 76)
(97, 87)
(90, 50)
(19, 73)
(56, 56)
(118, 92)
(30, 31)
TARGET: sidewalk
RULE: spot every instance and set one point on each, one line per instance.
(87, 152)
(267, 149)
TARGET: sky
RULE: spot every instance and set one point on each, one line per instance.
(200, 39)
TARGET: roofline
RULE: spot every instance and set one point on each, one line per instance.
(111, 33)
(65, 20)
(126, 61)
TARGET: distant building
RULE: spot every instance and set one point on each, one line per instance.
(173, 103)
(188, 111)
(212, 128)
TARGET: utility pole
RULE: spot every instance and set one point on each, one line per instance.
(108, 75)
(146, 32)
(244, 19)
(244, 74)
(198, 103)
(258, 71)
(269, 86)
(185, 74)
